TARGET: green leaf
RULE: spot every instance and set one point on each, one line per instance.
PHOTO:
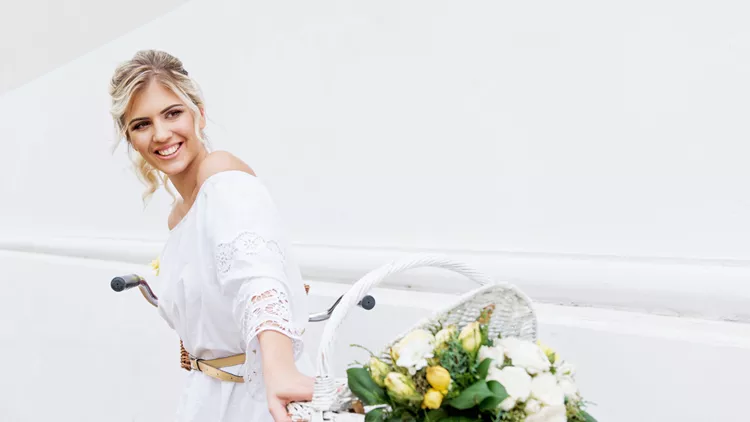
(587, 417)
(498, 395)
(459, 419)
(472, 396)
(364, 387)
(436, 415)
(375, 415)
(403, 417)
(484, 368)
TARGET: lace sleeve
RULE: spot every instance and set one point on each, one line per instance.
(256, 266)
(267, 311)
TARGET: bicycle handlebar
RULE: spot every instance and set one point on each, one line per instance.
(129, 281)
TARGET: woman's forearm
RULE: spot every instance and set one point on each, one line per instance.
(277, 353)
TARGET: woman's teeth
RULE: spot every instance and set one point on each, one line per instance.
(169, 151)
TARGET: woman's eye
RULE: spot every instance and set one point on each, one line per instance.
(173, 113)
(139, 126)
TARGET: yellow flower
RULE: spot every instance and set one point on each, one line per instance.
(378, 371)
(444, 335)
(401, 388)
(471, 338)
(439, 378)
(432, 399)
(549, 352)
(155, 266)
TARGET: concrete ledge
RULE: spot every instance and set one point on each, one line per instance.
(709, 289)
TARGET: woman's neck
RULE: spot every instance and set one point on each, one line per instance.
(186, 182)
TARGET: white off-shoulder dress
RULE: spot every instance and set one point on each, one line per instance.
(227, 274)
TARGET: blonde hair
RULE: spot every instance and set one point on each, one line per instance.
(132, 76)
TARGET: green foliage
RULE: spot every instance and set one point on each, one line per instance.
(483, 368)
(376, 415)
(435, 415)
(362, 386)
(575, 412)
(513, 415)
(587, 417)
(459, 364)
(472, 396)
(420, 381)
(498, 395)
(400, 414)
(484, 330)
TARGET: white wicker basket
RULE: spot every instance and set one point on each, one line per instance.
(513, 316)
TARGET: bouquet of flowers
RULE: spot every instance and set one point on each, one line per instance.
(449, 374)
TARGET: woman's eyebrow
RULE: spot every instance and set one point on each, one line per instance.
(146, 118)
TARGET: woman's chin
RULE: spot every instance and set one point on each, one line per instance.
(172, 169)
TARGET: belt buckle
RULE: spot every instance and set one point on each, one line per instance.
(194, 364)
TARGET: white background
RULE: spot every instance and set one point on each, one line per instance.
(594, 154)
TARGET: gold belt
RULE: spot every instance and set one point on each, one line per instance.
(211, 367)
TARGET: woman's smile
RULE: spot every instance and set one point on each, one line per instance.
(169, 152)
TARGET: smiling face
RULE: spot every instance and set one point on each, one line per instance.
(161, 127)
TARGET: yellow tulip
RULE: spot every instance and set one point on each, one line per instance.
(378, 371)
(444, 335)
(432, 399)
(471, 338)
(401, 388)
(439, 378)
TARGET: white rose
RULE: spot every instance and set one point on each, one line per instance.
(566, 370)
(414, 350)
(549, 414)
(545, 389)
(568, 387)
(508, 404)
(532, 406)
(496, 353)
(525, 354)
(516, 381)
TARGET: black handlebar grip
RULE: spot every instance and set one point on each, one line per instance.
(125, 282)
(368, 302)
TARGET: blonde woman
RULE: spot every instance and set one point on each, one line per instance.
(232, 291)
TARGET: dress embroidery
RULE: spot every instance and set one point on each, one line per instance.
(246, 243)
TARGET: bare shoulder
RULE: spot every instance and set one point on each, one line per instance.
(220, 161)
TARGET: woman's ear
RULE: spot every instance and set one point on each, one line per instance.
(203, 118)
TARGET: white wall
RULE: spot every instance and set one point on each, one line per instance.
(594, 154)
(76, 351)
(37, 36)
(550, 143)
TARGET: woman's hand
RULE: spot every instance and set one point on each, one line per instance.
(284, 382)
(283, 389)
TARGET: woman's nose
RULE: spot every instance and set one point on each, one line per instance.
(161, 132)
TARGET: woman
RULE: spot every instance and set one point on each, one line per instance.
(232, 291)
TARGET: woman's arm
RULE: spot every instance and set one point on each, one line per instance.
(284, 382)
